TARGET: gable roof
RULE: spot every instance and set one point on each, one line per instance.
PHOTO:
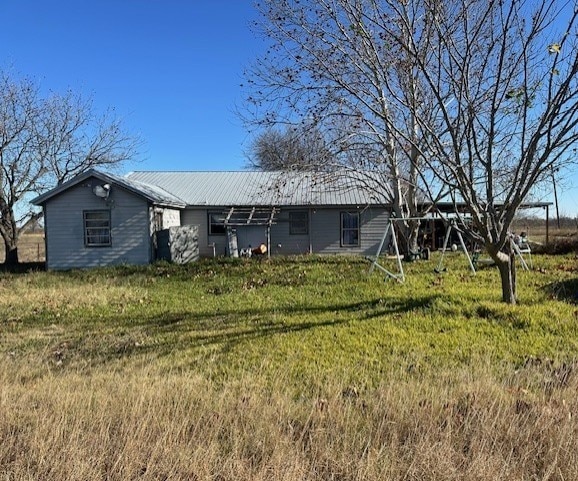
(154, 194)
(256, 188)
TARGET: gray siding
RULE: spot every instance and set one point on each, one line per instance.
(324, 232)
(282, 241)
(373, 225)
(130, 230)
(200, 217)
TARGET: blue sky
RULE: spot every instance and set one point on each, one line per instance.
(171, 69)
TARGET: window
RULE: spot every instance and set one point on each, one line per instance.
(349, 229)
(97, 228)
(217, 223)
(299, 222)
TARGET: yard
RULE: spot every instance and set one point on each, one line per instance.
(300, 368)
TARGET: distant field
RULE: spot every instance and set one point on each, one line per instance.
(30, 249)
(536, 229)
(291, 369)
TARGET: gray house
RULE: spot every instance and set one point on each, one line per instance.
(102, 219)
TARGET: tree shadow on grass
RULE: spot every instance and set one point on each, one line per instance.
(163, 334)
(566, 290)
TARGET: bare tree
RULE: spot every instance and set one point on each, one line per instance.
(502, 76)
(331, 66)
(44, 142)
(294, 148)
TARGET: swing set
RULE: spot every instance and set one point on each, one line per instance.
(398, 275)
(520, 247)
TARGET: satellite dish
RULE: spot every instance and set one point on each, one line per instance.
(101, 191)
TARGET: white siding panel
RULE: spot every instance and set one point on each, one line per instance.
(65, 229)
(171, 218)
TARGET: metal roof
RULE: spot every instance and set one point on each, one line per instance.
(255, 188)
(154, 194)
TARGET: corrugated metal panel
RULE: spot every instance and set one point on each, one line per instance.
(156, 194)
(247, 188)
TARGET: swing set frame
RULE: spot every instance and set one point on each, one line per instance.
(399, 275)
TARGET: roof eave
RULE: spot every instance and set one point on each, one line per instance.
(102, 176)
(42, 198)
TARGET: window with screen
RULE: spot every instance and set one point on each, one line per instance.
(97, 228)
(299, 222)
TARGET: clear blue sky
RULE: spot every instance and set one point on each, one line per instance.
(170, 68)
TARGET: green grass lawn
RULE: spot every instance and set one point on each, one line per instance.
(310, 318)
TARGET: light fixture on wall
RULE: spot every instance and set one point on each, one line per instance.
(101, 191)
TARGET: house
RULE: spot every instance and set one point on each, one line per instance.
(100, 219)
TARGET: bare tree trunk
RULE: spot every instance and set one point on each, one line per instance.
(11, 250)
(413, 235)
(9, 233)
(506, 263)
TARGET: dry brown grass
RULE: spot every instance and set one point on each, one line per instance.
(30, 248)
(154, 425)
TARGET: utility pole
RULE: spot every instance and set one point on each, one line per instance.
(555, 196)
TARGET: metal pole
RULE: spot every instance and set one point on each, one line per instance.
(463, 244)
(555, 197)
(439, 267)
(378, 253)
(547, 224)
(399, 265)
